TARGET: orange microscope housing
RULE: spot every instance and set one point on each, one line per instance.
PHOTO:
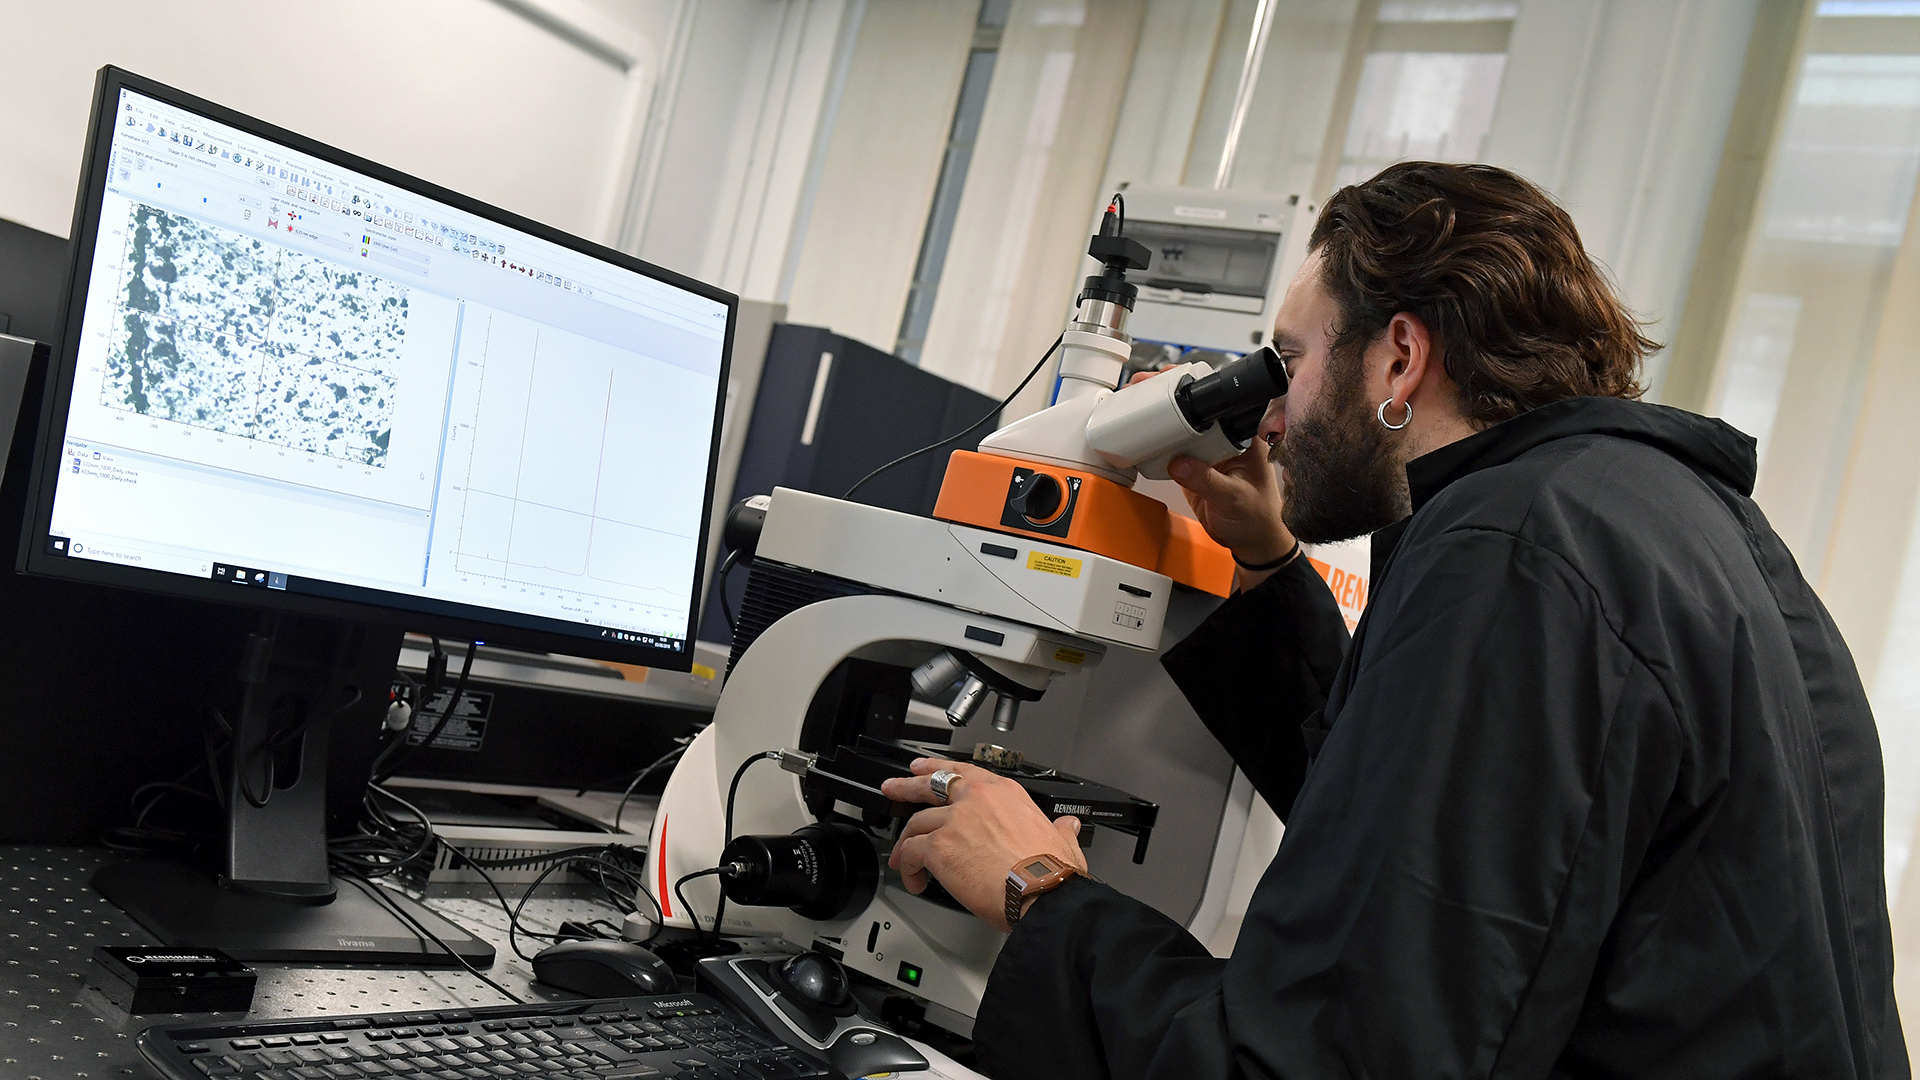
(1065, 474)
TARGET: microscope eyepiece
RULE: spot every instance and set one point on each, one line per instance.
(1240, 387)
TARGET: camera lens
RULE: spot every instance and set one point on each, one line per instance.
(821, 871)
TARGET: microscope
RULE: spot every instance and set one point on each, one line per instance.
(1038, 560)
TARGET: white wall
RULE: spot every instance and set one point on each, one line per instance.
(1153, 134)
(754, 95)
(1021, 230)
(533, 105)
(883, 162)
(1620, 109)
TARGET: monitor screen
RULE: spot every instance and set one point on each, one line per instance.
(297, 379)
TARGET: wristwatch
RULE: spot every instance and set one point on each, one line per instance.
(1032, 876)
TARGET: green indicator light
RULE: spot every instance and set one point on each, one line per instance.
(909, 974)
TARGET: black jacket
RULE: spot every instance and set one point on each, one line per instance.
(1595, 791)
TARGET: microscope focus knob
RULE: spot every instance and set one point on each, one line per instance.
(1037, 498)
(816, 978)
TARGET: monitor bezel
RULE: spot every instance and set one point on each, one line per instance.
(424, 615)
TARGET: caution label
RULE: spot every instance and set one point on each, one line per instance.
(1053, 564)
(1069, 656)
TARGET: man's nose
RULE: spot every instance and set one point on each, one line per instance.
(1273, 423)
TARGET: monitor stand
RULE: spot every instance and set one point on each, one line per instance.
(189, 909)
(275, 900)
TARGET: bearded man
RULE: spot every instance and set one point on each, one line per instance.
(1593, 791)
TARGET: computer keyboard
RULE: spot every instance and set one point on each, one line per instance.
(690, 1036)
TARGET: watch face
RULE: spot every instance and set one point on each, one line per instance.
(1038, 869)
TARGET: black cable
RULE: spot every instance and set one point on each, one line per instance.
(427, 839)
(1120, 211)
(513, 920)
(370, 856)
(606, 858)
(241, 767)
(964, 432)
(213, 759)
(634, 882)
(300, 729)
(386, 846)
(375, 893)
(304, 719)
(733, 789)
(513, 917)
(600, 857)
(401, 743)
(688, 908)
(453, 706)
(644, 773)
(423, 694)
(726, 605)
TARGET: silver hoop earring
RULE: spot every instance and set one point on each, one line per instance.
(1382, 414)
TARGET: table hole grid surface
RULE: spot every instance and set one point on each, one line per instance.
(56, 1024)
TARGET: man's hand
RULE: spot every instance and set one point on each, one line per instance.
(1238, 502)
(969, 844)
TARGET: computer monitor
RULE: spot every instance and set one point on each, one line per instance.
(300, 381)
(347, 392)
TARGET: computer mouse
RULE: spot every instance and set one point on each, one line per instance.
(603, 968)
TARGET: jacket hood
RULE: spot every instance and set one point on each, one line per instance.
(1704, 444)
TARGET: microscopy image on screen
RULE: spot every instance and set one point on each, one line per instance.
(217, 330)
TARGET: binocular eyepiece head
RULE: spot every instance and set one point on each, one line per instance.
(1235, 395)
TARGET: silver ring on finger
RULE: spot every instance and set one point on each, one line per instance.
(941, 783)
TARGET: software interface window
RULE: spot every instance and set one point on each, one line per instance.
(293, 375)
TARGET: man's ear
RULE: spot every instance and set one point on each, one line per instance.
(1412, 355)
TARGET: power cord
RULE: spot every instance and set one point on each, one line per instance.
(665, 758)
(604, 862)
(392, 846)
(720, 582)
(966, 431)
(384, 845)
(630, 879)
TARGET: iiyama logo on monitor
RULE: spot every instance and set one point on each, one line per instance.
(355, 943)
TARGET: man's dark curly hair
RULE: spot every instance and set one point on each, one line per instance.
(1494, 267)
